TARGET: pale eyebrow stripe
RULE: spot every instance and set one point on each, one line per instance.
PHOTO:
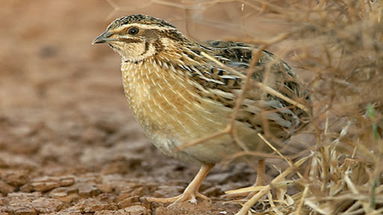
(142, 26)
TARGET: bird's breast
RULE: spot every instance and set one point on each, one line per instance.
(166, 103)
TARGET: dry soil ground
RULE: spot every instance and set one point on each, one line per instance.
(68, 143)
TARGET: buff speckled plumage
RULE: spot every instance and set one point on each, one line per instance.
(179, 95)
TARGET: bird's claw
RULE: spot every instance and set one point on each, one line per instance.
(184, 197)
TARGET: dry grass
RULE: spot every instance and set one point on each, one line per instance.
(339, 43)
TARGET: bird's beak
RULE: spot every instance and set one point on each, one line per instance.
(103, 38)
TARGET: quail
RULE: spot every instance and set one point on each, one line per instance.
(181, 91)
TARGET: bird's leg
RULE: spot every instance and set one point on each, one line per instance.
(191, 192)
(260, 173)
(260, 180)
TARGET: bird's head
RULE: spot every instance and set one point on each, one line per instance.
(138, 37)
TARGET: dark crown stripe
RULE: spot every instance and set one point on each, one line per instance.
(138, 18)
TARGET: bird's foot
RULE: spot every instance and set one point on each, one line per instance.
(191, 192)
(184, 197)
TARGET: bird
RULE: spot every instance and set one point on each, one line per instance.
(181, 90)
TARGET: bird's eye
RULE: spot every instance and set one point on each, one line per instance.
(133, 30)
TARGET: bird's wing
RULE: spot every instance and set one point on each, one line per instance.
(283, 117)
(222, 82)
